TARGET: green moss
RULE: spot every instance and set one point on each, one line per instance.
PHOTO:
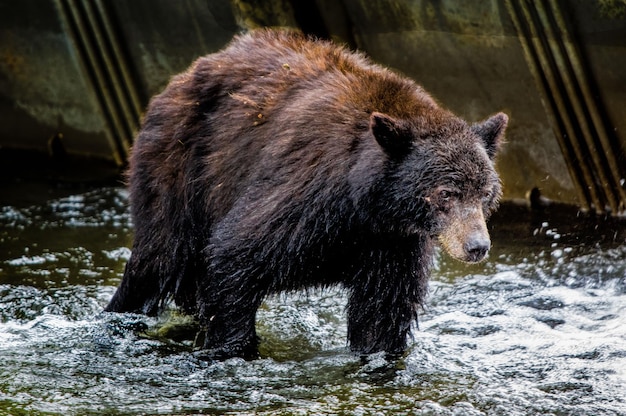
(612, 9)
(253, 14)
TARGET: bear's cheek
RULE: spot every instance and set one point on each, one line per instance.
(465, 236)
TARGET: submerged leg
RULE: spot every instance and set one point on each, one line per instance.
(385, 295)
(151, 277)
(139, 291)
(227, 311)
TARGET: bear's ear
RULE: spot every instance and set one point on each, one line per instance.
(492, 132)
(394, 137)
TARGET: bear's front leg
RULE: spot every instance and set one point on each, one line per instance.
(379, 322)
(227, 313)
(385, 295)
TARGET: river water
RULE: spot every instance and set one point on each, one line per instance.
(539, 329)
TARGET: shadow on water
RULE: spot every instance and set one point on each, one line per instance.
(539, 329)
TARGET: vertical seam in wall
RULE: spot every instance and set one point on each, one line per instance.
(600, 132)
(575, 108)
(91, 30)
(532, 50)
(555, 59)
(124, 63)
(73, 32)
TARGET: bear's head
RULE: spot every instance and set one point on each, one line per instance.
(441, 179)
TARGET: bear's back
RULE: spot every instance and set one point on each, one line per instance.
(274, 110)
(264, 68)
(274, 55)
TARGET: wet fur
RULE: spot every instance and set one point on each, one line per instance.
(282, 163)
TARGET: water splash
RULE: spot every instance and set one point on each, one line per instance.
(539, 329)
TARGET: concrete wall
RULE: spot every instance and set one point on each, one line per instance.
(77, 74)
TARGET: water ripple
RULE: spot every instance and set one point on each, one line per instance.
(540, 329)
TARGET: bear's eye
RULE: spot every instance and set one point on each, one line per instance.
(446, 195)
(487, 195)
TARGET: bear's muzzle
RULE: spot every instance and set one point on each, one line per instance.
(466, 238)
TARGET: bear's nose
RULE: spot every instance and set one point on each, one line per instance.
(476, 248)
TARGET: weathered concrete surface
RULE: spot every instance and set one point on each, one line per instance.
(42, 90)
(48, 81)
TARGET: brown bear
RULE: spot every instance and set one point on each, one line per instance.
(281, 163)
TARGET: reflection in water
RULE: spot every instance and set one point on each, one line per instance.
(539, 329)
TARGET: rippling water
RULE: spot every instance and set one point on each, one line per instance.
(540, 329)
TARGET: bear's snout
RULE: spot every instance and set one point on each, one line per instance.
(466, 237)
(476, 247)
